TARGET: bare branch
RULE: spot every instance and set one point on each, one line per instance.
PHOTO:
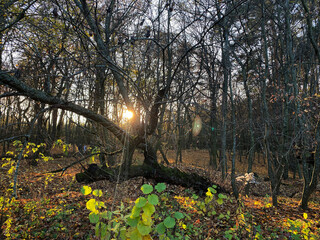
(43, 97)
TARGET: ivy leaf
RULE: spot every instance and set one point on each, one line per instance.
(149, 209)
(135, 212)
(160, 187)
(146, 219)
(146, 188)
(169, 222)
(178, 215)
(161, 228)
(140, 202)
(135, 235)
(143, 229)
(153, 199)
(133, 222)
(86, 190)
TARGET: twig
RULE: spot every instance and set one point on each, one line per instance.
(14, 137)
(82, 159)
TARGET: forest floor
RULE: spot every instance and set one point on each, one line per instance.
(51, 206)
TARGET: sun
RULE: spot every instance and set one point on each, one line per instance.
(127, 114)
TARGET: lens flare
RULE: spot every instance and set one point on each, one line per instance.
(196, 126)
(127, 114)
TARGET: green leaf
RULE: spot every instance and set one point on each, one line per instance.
(97, 229)
(86, 190)
(149, 209)
(103, 227)
(91, 205)
(169, 222)
(132, 222)
(104, 215)
(135, 235)
(93, 217)
(146, 188)
(97, 193)
(141, 201)
(222, 196)
(161, 228)
(146, 219)
(143, 229)
(123, 234)
(178, 215)
(212, 190)
(220, 201)
(195, 196)
(153, 199)
(160, 187)
(135, 212)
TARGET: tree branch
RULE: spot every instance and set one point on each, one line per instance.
(310, 32)
(18, 18)
(43, 97)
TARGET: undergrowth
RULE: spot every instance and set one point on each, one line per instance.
(55, 209)
(157, 216)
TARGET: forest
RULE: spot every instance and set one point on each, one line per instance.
(159, 119)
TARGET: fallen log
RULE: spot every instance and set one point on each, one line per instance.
(160, 174)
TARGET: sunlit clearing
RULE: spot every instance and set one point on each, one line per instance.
(127, 114)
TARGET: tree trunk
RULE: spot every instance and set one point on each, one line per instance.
(226, 76)
(234, 143)
(179, 135)
(159, 174)
(213, 121)
(275, 184)
(310, 182)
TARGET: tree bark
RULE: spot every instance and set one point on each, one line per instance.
(159, 174)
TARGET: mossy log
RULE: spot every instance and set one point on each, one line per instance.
(160, 174)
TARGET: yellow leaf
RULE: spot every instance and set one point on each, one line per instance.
(268, 205)
(147, 237)
(91, 205)
(305, 215)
